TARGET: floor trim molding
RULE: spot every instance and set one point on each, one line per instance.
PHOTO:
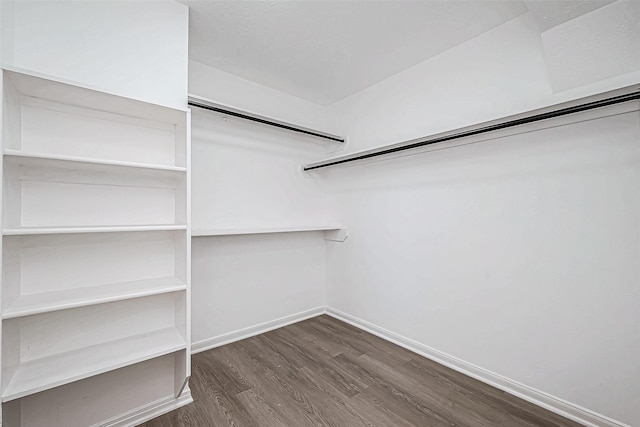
(559, 406)
(537, 397)
(150, 411)
(251, 331)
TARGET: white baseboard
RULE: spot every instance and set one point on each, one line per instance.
(241, 334)
(554, 404)
(537, 397)
(150, 411)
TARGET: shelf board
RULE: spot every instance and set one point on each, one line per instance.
(225, 109)
(241, 231)
(40, 85)
(23, 231)
(27, 305)
(37, 375)
(90, 161)
(453, 138)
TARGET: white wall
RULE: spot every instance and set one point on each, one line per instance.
(233, 91)
(499, 73)
(517, 255)
(243, 284)
(247, 176)
(132, 48)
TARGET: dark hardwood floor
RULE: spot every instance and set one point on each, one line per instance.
(323, 372)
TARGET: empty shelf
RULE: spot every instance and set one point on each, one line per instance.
(21, 231)
(37, 375)
(26, 156)
(239, 231)
(39, 85)
(27, 305)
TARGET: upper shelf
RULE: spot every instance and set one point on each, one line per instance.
(48, 118)
(266, 230)
(333, 233)
(207, 104)
(38, 85)
(89, 161)
(606, 99)
(20, 166)
(24, 231)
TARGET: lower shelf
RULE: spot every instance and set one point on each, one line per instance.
(37, 375)
(120, 398)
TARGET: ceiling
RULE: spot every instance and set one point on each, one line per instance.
(324, 51)
(551, 13)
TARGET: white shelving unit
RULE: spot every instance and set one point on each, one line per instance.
(96, 242)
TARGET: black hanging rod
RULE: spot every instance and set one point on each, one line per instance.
(490, 128)
(260, 119)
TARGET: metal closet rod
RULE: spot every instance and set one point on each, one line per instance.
(264, 120)
(490, 128)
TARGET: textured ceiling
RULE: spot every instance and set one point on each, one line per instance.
(324, 51)
(551, 13)
(601, 44)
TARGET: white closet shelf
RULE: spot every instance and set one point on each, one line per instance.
(90, 161)
(266, 230)
(45, 86)
(208, 104)
(23, 231)
(27, 305)
(37, 375)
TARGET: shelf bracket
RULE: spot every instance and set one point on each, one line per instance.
(179, 390)
(339, 235)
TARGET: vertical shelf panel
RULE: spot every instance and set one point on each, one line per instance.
(4, 131)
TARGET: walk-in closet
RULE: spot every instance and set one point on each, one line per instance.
(320, 213)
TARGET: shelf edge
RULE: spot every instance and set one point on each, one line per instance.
(91, 160)
(8, 314)
(86, 86)
(28, 231)
(7, 397)
(240, 231)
